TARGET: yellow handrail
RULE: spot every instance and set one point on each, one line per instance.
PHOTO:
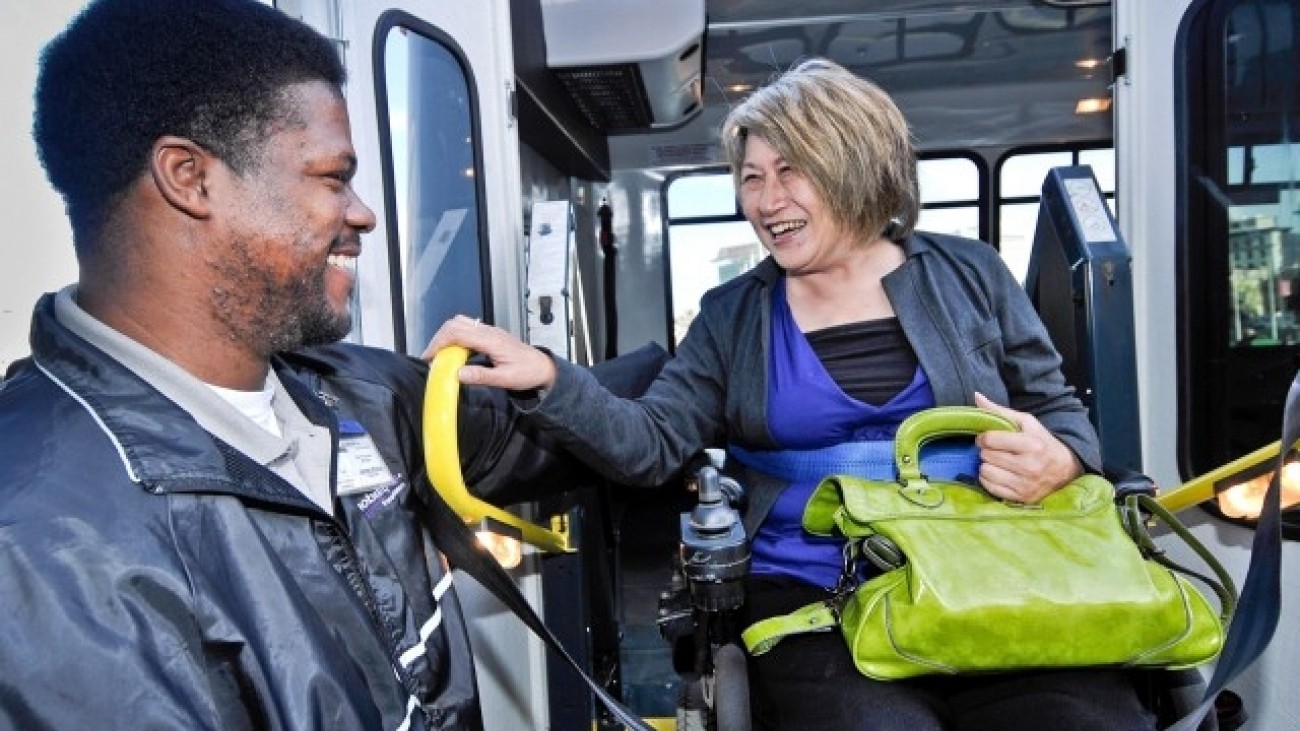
(1202, 488)
(442, 456)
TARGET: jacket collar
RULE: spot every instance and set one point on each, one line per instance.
(767, 270)
(161, 446)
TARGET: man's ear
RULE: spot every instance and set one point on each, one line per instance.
(180, 169)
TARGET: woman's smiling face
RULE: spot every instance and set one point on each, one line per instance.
(790, 218)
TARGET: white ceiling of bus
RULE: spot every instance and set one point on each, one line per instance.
(966, 73)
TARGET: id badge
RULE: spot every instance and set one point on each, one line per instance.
(360, 466)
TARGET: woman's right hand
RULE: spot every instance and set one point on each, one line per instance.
(1023, 466)
(516, 366)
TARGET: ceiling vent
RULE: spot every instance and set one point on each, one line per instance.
(628, 64)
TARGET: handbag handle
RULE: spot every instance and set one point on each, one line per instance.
(1131, 515)
(939, 423)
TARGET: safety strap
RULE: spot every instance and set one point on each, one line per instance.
(464, 552)
(1260, 603)
(952, 460)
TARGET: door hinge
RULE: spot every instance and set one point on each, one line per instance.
(1119, 66)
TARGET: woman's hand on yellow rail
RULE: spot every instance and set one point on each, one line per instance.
(516, 365)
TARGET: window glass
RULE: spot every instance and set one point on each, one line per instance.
(1263, 238)
(1102, 163)
(1241, 231)
(1273, 163)
(431, 134)
(963, 221)
(1016, 237)
(1022, 175)
(696, 196)
(951, 189)
(1236, 165)
(704, 256)
(948, 179)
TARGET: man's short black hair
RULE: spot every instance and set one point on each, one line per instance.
(126, 72)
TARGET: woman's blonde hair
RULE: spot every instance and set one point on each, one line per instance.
(845, 135)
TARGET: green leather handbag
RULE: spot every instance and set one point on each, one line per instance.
(977, 584)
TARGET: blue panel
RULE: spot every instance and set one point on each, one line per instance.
(1080, 280)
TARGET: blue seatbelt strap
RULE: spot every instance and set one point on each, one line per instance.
(1260, 605)
(950, 460)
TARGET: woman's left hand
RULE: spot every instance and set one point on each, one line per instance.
(1024, 466)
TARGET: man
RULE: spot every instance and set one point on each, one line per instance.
(196, 533)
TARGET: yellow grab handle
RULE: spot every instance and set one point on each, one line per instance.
(442, 456)
(1200, 489)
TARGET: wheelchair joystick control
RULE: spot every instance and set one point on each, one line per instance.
(714, 549)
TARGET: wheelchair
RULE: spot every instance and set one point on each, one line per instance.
(697, 613)
(698, 617)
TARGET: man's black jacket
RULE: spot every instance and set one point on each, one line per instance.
(156, 578)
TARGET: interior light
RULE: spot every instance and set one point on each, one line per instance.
(507, 550)
(1236, 490)
(1089, 63)
(1092, 105)
(739, 88)
(1245, 498)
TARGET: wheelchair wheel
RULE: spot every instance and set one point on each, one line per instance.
(730, 689)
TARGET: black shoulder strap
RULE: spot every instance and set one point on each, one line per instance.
(463, 551)
(1260, 604)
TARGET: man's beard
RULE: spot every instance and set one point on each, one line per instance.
(270, 316)
(306, 317)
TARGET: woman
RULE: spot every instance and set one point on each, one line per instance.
(851, 324)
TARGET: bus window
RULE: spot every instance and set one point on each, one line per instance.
(1239, 277)
(1020, 183)
(432, 183)
(702, 196)
(1102, 162)
(709, 241)
(952, 195)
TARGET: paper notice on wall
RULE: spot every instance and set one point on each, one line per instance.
(550, 261)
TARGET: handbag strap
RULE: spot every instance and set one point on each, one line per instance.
(1135, 506)
(1260, 604)
(763, 635)
(463, 551)
(820, 616)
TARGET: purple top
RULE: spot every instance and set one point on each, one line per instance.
(808, 411)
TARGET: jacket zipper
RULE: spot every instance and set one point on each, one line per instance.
(351, 572)
(356, 580)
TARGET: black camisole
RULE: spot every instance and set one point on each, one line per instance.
(872, 361)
